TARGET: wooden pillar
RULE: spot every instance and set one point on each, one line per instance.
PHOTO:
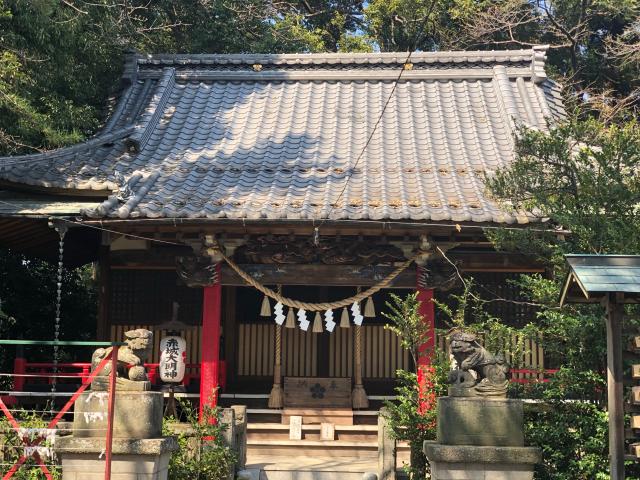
(427, 312)
(210, 363)
(104, 295)
(386, 448)
(230, 332)
(614, 387)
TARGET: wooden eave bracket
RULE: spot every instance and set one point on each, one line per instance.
(427, 249)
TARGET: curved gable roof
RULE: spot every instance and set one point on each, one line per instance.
(284, 137)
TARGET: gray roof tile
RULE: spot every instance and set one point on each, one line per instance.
(207, 136)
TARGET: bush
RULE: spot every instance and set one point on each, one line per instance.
(203, 453)
(11, 448)
(572, 432)
(409, 420)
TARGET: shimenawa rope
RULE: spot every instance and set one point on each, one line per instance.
(316, 307)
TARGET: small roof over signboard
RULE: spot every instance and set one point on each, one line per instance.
(591, 277)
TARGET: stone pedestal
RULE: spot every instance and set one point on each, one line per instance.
(139, 452)
(145, 459)
(137, 415)
(480, 439)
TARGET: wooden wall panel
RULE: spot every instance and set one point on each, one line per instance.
(256, 349)
(341, 352)
(382, 353)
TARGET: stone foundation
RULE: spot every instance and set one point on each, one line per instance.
(146, 459)
(449, 462)
(139, 452)
(480, 439)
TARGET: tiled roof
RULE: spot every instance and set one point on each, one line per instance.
(278, 137)
(592, 276)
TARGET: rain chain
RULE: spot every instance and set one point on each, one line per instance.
(62, 230)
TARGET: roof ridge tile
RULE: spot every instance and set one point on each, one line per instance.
(154, 111)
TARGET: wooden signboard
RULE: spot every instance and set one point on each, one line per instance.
(295, 427)
(314, 392)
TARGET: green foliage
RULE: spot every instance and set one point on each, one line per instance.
(7, 323)
(571, 431)
(203, 454)
(11, 447)
(583, 176)
(467, 311)
(406, 25)
(412, 415)
(407, 323)
(410, 422)
(28, 294)
(60, 61)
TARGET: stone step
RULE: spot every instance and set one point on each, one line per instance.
(309, 468)
(306, 426)
(276, 431)
(272, 415)
(312, 448)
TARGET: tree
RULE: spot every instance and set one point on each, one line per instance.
(407, 416)
(581, 175)
(577, 33)
(407, 25)
(28, 298)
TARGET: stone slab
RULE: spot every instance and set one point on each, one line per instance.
(310, 467)
(78, 466)
(144, 459)
(138, 415)
(476, 421)
(120, 446)
(479, 471)
(327, 431)
(479, 454)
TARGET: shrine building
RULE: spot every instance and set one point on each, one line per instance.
(277, 201)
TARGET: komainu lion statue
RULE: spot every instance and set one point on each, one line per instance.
(478, 372)
(130, 370)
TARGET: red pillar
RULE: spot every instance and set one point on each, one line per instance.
(210, 363)
(427, 312)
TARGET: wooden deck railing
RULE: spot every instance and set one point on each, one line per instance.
(39, 373)
(42, 373)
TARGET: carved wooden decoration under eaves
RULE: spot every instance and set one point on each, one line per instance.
(438, 274)
(196, 271)
(284, 250)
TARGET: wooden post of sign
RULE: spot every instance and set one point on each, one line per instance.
(210, 363)
(614, 387)
(427, 312)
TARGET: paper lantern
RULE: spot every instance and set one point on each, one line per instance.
(173, 359)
